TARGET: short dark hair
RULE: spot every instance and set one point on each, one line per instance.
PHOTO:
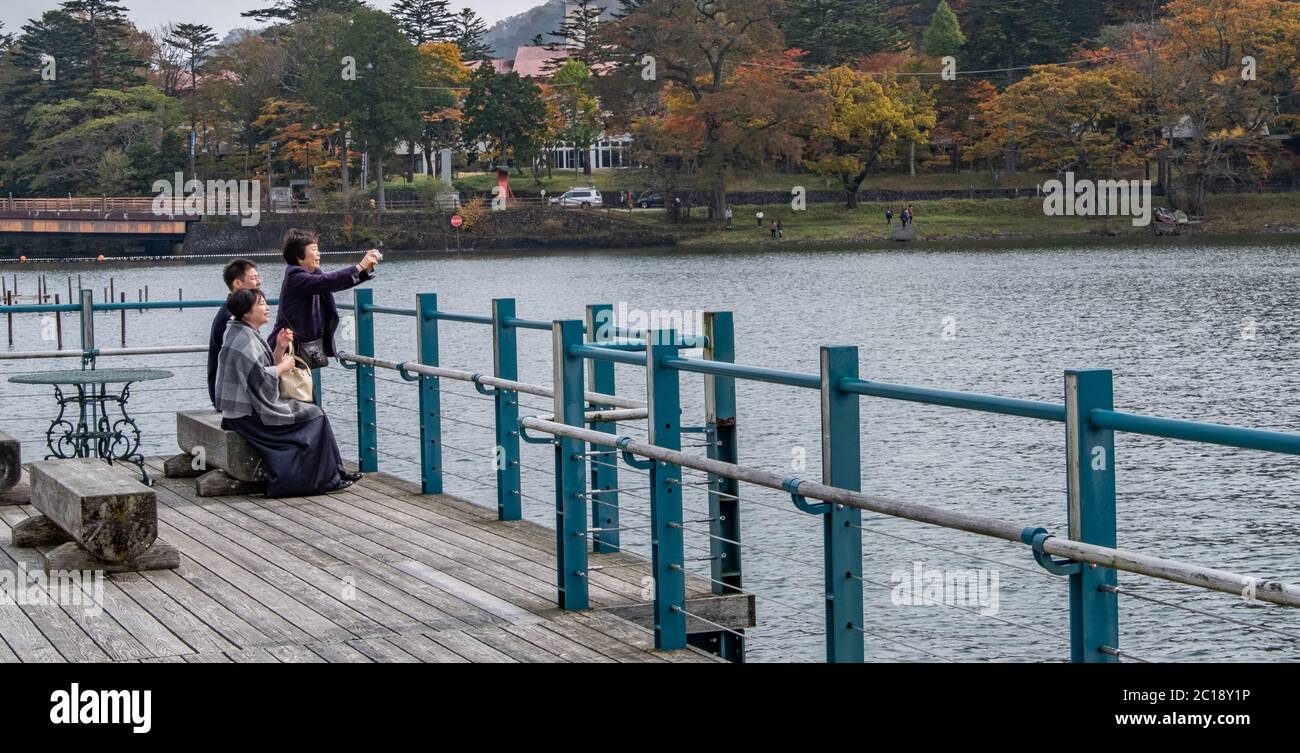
(296, 241)
(235, 270)
(243, 300)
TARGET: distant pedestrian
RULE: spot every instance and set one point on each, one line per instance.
(729, 216)
(773, 229)
(759, 216)
(780, 229)
(904, 217)
(889, 216)
(911, 214)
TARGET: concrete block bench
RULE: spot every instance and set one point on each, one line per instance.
(221, 461)
(14, 489)
(100, 517)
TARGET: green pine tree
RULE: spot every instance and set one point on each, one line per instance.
(943, 36)
(424, 20)
(832, 32)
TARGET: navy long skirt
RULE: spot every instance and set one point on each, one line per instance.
(301, 459)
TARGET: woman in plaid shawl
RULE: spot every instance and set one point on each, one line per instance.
(294, 438)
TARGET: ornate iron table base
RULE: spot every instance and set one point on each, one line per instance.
(91, 432)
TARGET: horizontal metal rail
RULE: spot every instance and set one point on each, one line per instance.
(51, 308)
(1007, 406)
(160, 350)
(1263, 589)
(1197, 431)
(486, 380)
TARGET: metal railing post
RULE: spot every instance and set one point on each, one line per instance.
(426, 336)
(87, 328)
(667, 547)
(724, 493)
(841, 525)
(604, 473)
(367, 410)
(570, 469)
(1090, 486)
(505, 364)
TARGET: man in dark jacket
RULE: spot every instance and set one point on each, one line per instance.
(238, 274)
(307, 294)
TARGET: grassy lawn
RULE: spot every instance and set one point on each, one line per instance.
(627, 179)
(958, 219)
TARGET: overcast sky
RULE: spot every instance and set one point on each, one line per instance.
(224, 14)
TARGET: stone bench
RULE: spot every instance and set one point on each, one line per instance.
(223, 462)
(14, 490)
(100, 516)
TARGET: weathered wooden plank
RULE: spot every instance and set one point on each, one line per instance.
(221, 449)
(309, 585)
(73, 556)
(274, 605)
(151, 633)
(427, 650)
(595, 640)
(339, 653)
(182, 466)
(488, 539)
(236, 526)
(470, 647)
(367, 551)
(395, 546)
(469, 594)
(512, 645)
(38, 530)
(732, 611)
(563, 647)
(253, 655)
(217, 615)
(639, 637)
(243, 593)
(164, 660)
(382, 651)
(7, 656)
(295, 655)
(208, 659)
(104, 508)
(516, 582)
(218, 483)
(24, 637)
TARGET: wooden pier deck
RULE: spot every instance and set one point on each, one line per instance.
(378, 573)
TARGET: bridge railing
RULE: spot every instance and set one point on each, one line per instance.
(583, 428)
(133, 204)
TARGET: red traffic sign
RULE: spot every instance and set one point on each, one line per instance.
(457, 220)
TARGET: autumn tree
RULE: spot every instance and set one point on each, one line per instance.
(698, 50)
(447, 75)
(869, 117)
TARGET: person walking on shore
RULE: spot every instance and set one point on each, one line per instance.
(759, 216)
(729, 216)
(889, 216)
(780, 229)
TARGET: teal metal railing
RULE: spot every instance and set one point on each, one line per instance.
(584, 426)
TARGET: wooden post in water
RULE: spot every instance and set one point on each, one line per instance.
(70, 286)
(180, 296)
(124, 319)
(9, 300)
(112, 291)
(58, 324)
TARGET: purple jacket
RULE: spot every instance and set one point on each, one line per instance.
(307, 303)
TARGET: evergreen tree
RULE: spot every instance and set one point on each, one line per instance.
(467, 32)
(194, 41)
(288, 11)
(578, 33)
(505, 112)
(1013, 34)
(833, 32)
(943, 36)
(424, 20)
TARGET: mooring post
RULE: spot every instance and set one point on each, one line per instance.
(58, 325)
(604, 468)
(724, 493)
(367, 410)
(667, 545)
(570, 469)
(1090, 486)
(123, 312)
(842, 526)
(9, 300)
(426, 335)
(505, 365)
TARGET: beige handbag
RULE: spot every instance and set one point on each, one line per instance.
(296, 383)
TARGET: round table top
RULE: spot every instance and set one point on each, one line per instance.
(92, 376)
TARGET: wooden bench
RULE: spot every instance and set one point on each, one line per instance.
(221, 461)
(14, 489)
(99, 516)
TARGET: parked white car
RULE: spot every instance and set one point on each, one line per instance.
(579, 197)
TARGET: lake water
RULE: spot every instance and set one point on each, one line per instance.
(1206, 332)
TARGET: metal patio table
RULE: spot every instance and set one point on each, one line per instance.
(84, 427)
